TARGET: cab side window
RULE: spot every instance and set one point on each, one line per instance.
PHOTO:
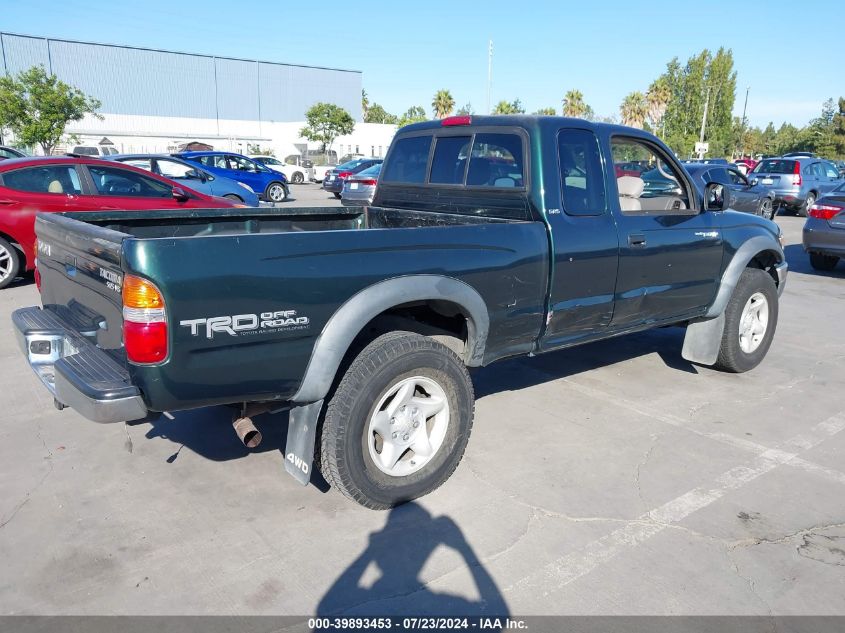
(658, 190)
(582, 180)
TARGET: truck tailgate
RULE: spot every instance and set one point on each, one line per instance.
(81, 278)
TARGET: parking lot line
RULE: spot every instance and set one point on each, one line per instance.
(569, 568)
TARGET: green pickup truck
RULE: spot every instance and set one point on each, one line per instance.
(489, 237)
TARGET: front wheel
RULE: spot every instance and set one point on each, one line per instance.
(750, 320)
(10, 263)
(337, 195)
(766, 209)
(399, 421)
(275, 192)
(823, 262)
(233, 197)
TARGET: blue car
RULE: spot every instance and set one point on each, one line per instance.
(192, 176)
(270, 185)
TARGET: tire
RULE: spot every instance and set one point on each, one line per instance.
(297, 178)
(337, 195)
(353, 457)
(804, 209)
(10, 263)
(743, 347)
(232, 196)
(766, 209)
(823, 262)
(275, 192)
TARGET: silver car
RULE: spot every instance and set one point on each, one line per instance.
(796, 181)
(360, 188)
(824, 230)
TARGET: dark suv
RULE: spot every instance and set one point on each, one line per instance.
(796, 181)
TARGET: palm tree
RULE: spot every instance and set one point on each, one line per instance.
(573, 104)
(634, 110)
(658, 96)
(365, 103)
(443, 104)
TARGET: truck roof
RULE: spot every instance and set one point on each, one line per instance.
(519, 120)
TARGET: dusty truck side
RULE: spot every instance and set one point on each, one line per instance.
(489, 237)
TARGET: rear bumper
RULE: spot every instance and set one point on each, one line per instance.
(335, 186)
(819, 237)
(79, 374)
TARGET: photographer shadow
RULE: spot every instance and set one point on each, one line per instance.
(385, 579)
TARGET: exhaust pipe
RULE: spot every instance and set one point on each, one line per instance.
(248, 434)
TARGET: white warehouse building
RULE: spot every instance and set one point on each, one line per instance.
(157, 101)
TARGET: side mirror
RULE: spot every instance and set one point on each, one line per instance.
(716, 197)
(193, 174)
(754, 182)
(179, 194)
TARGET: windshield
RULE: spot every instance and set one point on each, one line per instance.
(775, 166)
(268, 161)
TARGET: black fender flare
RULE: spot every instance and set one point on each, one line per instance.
(348, 321)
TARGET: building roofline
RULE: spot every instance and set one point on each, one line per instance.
(172, 52)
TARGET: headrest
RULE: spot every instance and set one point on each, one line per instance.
(630, 186)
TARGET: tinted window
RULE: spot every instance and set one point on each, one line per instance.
(775, 166)
(111, 181)
(718, 175)
(7, 153)
(408, 160)
(240, 163)
(830, 170)
(496, 161)
(58, 179)
(736, 177)
(216, 160)
(140, 163)
(450, 159)
(581, 173)
(660, 189)
(85, 151)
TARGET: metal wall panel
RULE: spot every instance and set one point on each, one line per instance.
(237, 89)
(21, 53)
(133, 81)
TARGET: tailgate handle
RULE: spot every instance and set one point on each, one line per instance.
(636, 239)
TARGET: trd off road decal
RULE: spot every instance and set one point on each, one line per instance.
(247, 324)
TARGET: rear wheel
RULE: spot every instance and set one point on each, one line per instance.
(337, 195)
(804, 210)
(823, 262)
(232, 196)
(766, 209)
(10, 262)
(398, 423)
(750, 320)
(297, 178)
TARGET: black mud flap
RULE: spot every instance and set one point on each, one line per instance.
(302, 432)
(703, 339)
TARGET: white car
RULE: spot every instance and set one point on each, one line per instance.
(294, 173)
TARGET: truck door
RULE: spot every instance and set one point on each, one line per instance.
(670, 250)
(585, 246)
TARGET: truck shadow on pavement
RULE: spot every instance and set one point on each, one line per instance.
(385, 578)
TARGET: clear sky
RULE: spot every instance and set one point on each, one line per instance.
(783, 50)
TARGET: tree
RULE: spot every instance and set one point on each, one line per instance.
(574, 106)
(37, 107)
(634, 110)
(365, 104)
(414, 114)
(512, 107)
(546, 111)
(325, 122)
(257, 150)
(377, 114)
(465, 109)
(442, 104)
(658, 97)
(822, 131)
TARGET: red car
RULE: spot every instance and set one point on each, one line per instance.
(53, 183)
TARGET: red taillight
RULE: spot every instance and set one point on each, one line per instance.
(824, 211)
(37, 276)
(344, 174)
(463, 119)
(796, 173)
(370, 181)
(144, 321)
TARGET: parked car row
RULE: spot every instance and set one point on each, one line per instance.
(337, 176)
(797, 181)
(824, 230)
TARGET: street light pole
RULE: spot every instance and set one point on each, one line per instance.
(744, 123)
